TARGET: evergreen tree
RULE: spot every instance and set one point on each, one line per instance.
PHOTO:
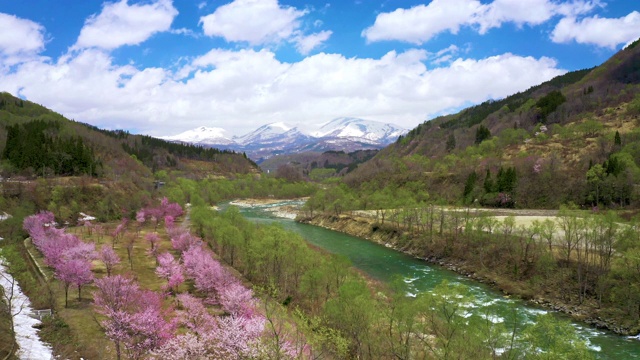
(482, 133)
(451, 143)
(469, 184)
(488, 183)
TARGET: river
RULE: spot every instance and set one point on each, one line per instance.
(383, 264)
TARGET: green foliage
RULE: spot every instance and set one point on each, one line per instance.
(469, 184)
(590, 127)
(37, 145)
(482, 133)
(550, 339)
(633, 108)
(320, 174)
(549, 103)
(451, 143)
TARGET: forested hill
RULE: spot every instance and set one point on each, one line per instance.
(35, 141)
(575, 138)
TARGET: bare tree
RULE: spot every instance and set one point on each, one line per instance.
(10, 305)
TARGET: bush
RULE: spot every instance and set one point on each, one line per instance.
(633, 108)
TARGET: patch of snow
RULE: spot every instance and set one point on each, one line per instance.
(202, 134)
(31, 347)
(85, 217)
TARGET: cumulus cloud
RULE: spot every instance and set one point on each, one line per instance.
(121, 24)
(421, 23)
(20, 39)
(237, 89)
(261, 22)
(603, 32)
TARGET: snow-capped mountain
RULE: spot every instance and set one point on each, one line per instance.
(359, 130)
(347, 134)
(202, 136)
(272, 133)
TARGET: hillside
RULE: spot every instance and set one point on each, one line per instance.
(574, 138)
(35, 141)
(68, 167)
(318, 165)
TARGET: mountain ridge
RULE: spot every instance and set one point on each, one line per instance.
(340, 134)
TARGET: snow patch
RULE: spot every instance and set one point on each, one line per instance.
(31, 347)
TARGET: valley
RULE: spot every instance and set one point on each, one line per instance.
(509, 229)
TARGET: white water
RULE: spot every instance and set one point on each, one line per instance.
(31, 347)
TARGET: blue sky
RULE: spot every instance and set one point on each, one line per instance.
(162, 67)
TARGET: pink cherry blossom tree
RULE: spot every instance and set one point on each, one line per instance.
(109, 258)
(82, 251)
(73, 272)
(171, 270)
(134, 319)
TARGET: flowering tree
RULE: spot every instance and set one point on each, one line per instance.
(109, 258)
(119, 231)
(227, 337)
(183, 240)
(171, 270)
(82, 251)
(169, 222)
(237, 300)
(154, 248)
(134, 318)
(73, 272)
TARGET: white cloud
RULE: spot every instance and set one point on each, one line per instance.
(304, 44)
(122, 24)
(261, 22)
(255, 21)
(20, 39)
(239, 90)
(603, 32)
(421, 23)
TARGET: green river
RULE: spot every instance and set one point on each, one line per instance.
(383, 263)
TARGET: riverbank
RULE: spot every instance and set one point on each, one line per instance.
(278, 207)
(549, 297)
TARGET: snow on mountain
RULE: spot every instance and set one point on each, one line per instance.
(348, 134)
(203, 136)
(361, 130)
(269, 133)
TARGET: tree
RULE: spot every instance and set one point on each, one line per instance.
(134, 318)
(469, 185)
(109, 258)
(73, 272)
(451, 143)
(595, 176)
(154, 239)
(171, 270)
(482, 134)
(14, 305)
(556, 338)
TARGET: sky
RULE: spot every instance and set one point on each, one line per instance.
(160, 67)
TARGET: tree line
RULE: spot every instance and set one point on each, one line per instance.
(584, 258)
(41, 147)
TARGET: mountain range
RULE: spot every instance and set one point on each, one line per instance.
(341, 134)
